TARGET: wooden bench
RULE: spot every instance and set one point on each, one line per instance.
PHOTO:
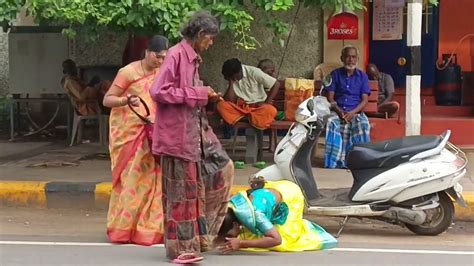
(276, 125)
(371, 107)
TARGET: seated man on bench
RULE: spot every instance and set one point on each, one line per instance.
(267, 66)
(246, 96)
(348, 94)
(386, 91)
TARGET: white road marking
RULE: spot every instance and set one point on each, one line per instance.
(367, 250)
(36, 243)
(407, 251)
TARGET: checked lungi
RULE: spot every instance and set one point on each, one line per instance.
(341, 136)
(195, 204)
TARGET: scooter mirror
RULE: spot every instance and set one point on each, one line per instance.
(327, 80)
(323, 107)
(310, 106)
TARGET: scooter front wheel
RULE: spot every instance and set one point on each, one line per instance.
(438, 219)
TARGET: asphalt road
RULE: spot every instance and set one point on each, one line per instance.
(77, 237)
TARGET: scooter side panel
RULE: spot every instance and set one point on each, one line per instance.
(287, 149)
(386, 185)
(290, 144)
(433, 186)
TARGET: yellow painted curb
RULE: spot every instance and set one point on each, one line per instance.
(103, 188)
(465, 214)
(102, 193)
(23, 193)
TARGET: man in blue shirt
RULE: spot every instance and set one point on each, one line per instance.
(348, 93)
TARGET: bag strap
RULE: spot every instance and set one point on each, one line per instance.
(143, 118)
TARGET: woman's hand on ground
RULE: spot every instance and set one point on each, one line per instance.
(231, 244)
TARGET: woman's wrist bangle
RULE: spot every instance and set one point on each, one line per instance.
(123, 101)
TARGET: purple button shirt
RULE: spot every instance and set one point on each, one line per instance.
(177, 130)
(348, 90)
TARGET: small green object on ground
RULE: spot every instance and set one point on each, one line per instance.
(280, 116)
(239, 165)
(260, 164)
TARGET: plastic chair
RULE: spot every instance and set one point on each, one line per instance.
(320, 71)
(77, 122)
(324, 69)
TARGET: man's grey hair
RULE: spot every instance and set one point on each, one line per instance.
(200, 21)
(346, 49)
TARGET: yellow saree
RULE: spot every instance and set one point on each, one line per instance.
(135, 211)
(297, 233)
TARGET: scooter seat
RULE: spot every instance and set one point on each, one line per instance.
(390, 153)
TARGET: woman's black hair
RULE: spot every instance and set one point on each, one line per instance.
(228, 222)
(69, 67)
(231, 67)
(256, 182)
(158, 43)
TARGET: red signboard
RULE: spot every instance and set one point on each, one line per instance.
(343, 26)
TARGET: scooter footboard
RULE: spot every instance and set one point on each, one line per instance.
(355, 210)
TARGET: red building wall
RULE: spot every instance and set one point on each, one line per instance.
(454, 23)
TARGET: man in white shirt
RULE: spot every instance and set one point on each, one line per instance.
(246, 95)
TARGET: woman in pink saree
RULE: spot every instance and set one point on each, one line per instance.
(135, 211)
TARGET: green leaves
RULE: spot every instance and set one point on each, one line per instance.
(165, 16)
(239, 22)
(280, 29)
(9, 10)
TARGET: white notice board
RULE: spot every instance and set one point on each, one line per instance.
(35, 61)
(387, 23)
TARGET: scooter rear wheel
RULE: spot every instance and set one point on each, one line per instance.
(438, 219)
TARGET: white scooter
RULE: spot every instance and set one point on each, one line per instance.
(406, 181)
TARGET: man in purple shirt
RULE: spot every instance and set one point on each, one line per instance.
(348, 93)
(197, 173)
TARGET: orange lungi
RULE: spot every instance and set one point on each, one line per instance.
(260, 117)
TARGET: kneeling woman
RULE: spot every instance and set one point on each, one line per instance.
(270, 217)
